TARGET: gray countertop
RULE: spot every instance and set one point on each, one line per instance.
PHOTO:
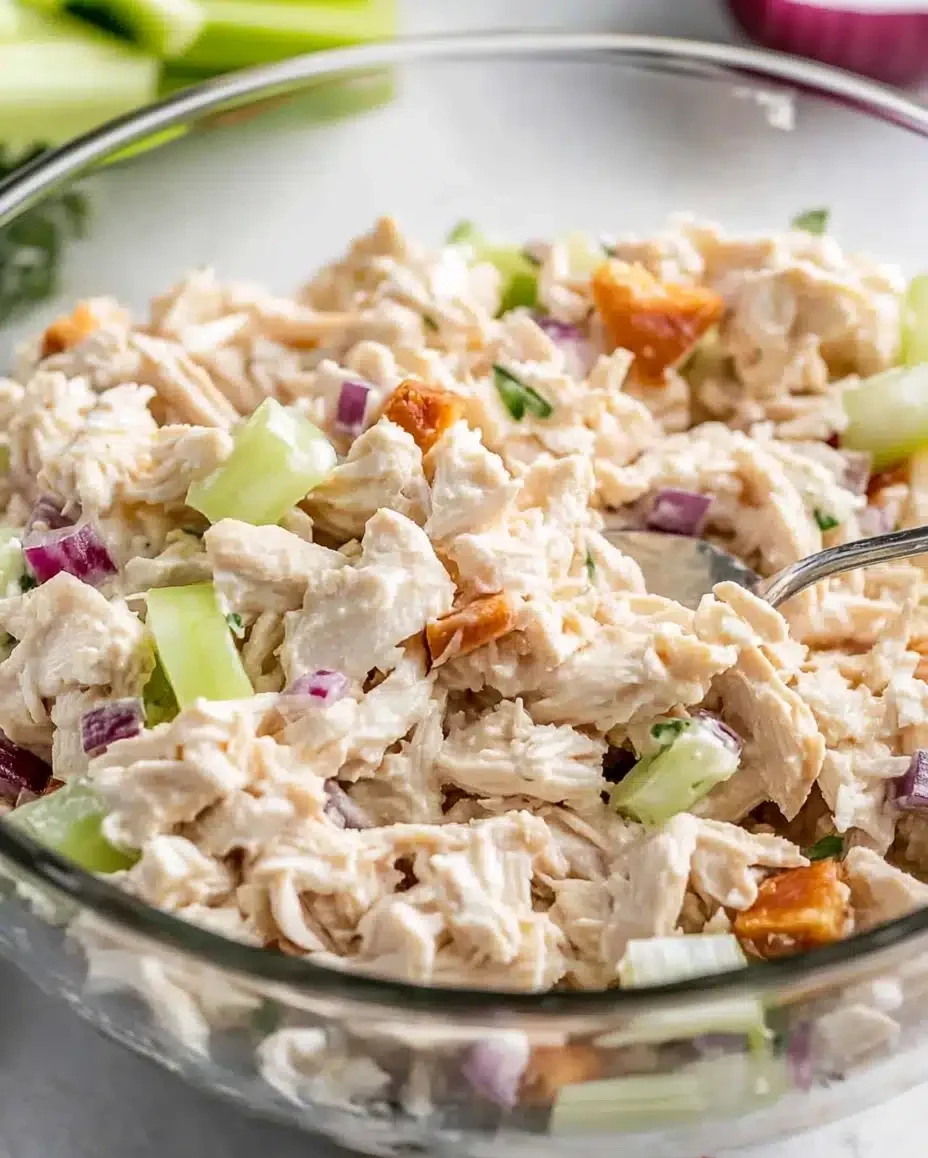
(68, 1093)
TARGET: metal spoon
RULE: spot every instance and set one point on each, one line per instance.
(685, 569)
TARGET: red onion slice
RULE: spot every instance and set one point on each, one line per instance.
(912, 788)
(324, 686)
(877, 520)
(678, 512)
(494, 1068)
(78, 550)
(48, 513)
(889, 45)
(342, 810)
(857, 467)
(21, 771)
(352, 404)
(119, 720)
(728, 736)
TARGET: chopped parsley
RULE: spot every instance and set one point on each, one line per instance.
(829, 846)
(236, 626)
(824, 521)
(590, 563)
(667, 731)
(27, 581)
(31, 247)
(812, 221)
(518, 398)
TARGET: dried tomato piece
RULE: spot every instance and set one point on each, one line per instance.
(657, 322)
(471, 627)
(795, 910)
(423, 411)
(551, 1067)
(69, 330)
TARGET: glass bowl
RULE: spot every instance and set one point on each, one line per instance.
(265, 175)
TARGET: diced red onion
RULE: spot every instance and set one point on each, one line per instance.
(877, 520)
(323, 686)
(21, 771)
(48, 513)
(119, 720)
(572, 341)
(678, 512)
(78, 550)
(728, 736)
(912, 788)
(890, 45)
(799, 1056)
(342, 810)
(352, 404)
(857, 467)
(494, 1068)
(617, 763)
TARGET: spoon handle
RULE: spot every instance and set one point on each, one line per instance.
(836, 560)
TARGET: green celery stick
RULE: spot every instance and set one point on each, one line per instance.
(68, 821)
(165, 27)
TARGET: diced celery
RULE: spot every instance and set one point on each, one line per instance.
(61, 77)
(164, 27)
(195, 646)
(888, 415)
(12, 564)
(68, 821)
(519, 275)
(716, 1087)
(9, 20)
(914, 336)
(583, 254)
(158, 698)
(729, 1016)
(660, 786)
(242, 32)
(278, 458)
(662, 960)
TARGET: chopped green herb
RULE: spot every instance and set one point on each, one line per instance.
(825, 521)
(812, 221)
(462, 232)
(27, 581)
(519, 398)
(31, 247)
(829, 846)
(590, 564)
(430, 323)
(666, 731)
(236, 626)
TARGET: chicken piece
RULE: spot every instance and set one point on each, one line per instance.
(69, 637)
(425, 412)
(383, 470)
(505, 753)
(185, 390)
(260, 569)
(304, 1066)
(796, 910)
(69, 330)
(182, 563)
(51, 411)
(880, 892)
(354, 618)
(173, 873)
(470, 627)
(657, 323)
(782, 739)
(726, 857)
(471, 489)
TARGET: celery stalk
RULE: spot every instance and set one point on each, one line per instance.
(9, 20)
(888, 415)
(12, 564)
(914, 337)
(165, 27)
(278, 458)
(663, 960)
(61, 77)
(728, 1016)
(195, 646)
(519, 275)
(242, 32)
(68, 821)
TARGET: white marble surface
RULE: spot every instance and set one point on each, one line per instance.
(67, 1093)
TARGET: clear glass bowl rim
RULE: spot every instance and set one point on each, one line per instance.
(161, 930)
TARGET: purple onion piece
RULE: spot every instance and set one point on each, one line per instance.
(911, 789)
(78, 550)
(119, 720)
(494, 1068)
(728, 736)
(617, 763)
(21, 771)
(323, 686)
(49, 513)
(799, 1056)
(678, 512)
(352, 404)
(876, 520)
(558, 331)
(342, 810)
(858, 465)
